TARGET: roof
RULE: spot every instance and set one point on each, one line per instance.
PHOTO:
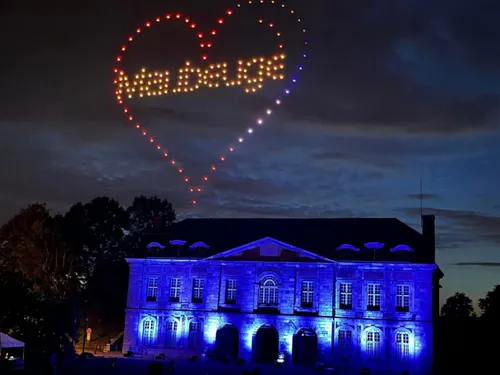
(320, 236)
(9, 342)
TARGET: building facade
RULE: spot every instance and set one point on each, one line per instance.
(351, 292)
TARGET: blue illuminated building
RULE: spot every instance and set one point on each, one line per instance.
(351, 292)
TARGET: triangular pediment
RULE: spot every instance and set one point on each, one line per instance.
(269, 249)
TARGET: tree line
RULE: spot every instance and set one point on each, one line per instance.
(55, 268)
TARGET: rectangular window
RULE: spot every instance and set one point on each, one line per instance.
(345, 296)
(403, 346)
(306, 294)
(402, 298)
(345, 343)
(152, 293)
(175, 289)
(373, 347)
(373, 297)
(230, 292)
(198, 286)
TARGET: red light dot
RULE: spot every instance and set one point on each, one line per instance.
(220, 20)
(124, 48)
(186, 179)
(194, 202)
(191, 189)
(214, 167)
(178, 15)
(118, 58)
(200, 35)
(204, 57)
(148, 24)
(158, 147)
(229, 11)
(209, 45)
(115, 82)
(138, 31)
(213, 32)
(137, 126)
(193, 25)
(187, 20)
(165, 154)
(205, 178)
(167, 16)
(231, 149)
(125, 109)
(202, 45)
(180, 170)
(144, 132)
(115, 70)
(130, 38)
(173, 161)
(199, 189)
(130, 118)
(151, 139)
(158, 19)
(222, 158)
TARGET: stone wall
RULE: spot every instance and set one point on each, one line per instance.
(324, 317)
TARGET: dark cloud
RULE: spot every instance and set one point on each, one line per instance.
(423, 196)
(466, 226)
(477, 264)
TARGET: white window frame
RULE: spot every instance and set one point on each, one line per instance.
(231, 289)
(345, 294)
(171, 334)
(402, 346)
(148, 331)
(175, 287)
(268, 291)
(307, 293)
(198, 288)
(403, 293)
(152, 287)
(373, 295)
(373, 344)
(344, 336)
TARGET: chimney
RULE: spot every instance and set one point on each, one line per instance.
(429, 234)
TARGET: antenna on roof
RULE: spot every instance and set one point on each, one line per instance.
(421, 199)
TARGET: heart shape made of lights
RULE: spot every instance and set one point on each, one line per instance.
(156, 83)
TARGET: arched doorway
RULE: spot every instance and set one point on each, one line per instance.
(265, 344)
(305, 346)
(227, 342)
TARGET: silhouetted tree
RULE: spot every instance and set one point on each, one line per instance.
(458, 306)
(148, 215)
(96, 231)
(490, 304)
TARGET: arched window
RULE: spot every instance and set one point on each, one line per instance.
(344, 336)
(268, 291)
(194, 341)
(373, 344)
(403, 345)
(148, 331)
(171, 334)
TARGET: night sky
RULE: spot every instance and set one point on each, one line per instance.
(392, 92)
